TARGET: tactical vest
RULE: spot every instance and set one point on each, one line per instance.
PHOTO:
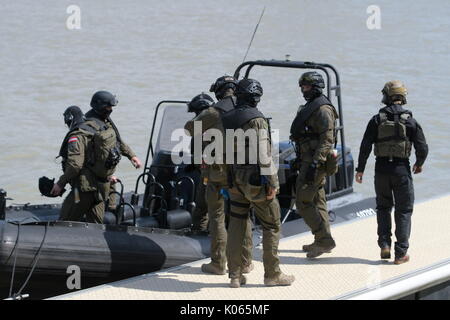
(392, 140)
(299, 129)
(237, 117)
(104, 152)
(226, 104)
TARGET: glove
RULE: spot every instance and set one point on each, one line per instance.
(311, 172)
(46, 185)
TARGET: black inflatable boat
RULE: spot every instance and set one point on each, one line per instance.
(149, 231)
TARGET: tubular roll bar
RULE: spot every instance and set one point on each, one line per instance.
(309, 65)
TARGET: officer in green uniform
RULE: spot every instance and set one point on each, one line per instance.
(393, 131)
(93, 152)
(200, 215)
(313, 132)
(216, 176)
(254, 183)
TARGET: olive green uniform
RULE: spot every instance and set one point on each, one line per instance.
(310, 196)
(216, 177)
(126, 151)
(89, 191)
(248, 191)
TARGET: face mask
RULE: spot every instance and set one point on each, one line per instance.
(310, 95)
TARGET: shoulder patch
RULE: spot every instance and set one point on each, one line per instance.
(72, 139)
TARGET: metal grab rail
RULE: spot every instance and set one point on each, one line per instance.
(309, 65)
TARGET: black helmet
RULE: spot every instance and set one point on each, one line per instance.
(313, 79)
(73, 116)
(249, 91)
(222, 84)
(46, 185)
(200, 102)
(101, 100)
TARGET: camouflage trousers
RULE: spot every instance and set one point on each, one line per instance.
(311, 204)
(88, 205)
(217, 229)
(200, 215)
(268, 213)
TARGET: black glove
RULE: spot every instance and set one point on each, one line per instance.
(311, 172)
(46, 185)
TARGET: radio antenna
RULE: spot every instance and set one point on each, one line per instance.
(254, 32)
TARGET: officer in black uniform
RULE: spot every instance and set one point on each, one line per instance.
(393, 131)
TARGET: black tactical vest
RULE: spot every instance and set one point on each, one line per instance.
(237, 117)
(298, 128)
(226, 104)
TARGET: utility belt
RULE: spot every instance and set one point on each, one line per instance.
(393, 159)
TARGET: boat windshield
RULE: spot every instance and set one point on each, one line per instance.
(172, 137)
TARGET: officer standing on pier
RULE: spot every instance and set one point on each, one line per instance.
(393, 131)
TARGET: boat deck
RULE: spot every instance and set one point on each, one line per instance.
(353, 270)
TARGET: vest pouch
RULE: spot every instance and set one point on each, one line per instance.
(331, 164)
(113, 158)
(105, 157)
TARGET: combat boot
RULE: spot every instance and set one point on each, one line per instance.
(237, 282)
(248, 268)
(212, 268)
(280, 280)
(309, 247)
(385, 253)
(319, 249)
(401, 260)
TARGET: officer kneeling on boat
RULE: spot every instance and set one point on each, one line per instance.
(393, 131)
(313, 133)
(253, 184)
(91, 152)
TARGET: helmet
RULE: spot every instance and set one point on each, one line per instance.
(249, 91)
(222, 84)
(200, 102)
(313, 79)
(394, 90)
(101, 100)
(46, 185)
(72, 116)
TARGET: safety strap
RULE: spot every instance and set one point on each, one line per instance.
(239, 216)
(239, 204)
